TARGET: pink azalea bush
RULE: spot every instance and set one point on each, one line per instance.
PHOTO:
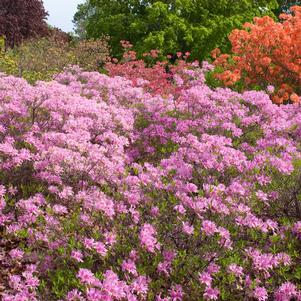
(109, 192)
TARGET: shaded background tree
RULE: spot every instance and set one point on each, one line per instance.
(43, 58)
(22, 19)
(284, 6)
(169, 25)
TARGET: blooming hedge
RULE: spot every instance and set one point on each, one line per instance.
(113, 193)
(265, 53)
(154, 73)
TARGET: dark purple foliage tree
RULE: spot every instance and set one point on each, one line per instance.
(22, 19)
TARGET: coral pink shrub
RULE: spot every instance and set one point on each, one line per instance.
(159, 77)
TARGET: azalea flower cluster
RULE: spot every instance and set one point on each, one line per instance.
(113, 193)
(265, 52)
(154, 73)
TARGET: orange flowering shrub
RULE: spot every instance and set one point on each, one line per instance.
(265, 53)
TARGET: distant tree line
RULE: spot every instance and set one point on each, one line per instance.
(197, 26)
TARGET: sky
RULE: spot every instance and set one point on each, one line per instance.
(61, 13)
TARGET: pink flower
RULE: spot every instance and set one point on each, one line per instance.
(187, 228)
(86, 276)
(147, 238)
(159, 298)
(110, 238)
(180, 208)
(32, 282)
(77, 255)
(134, 255)
(15, 282)
(260, 293)
(16, 254)
(89, 243)
(211, 293)
(94, 294)
(235, 269)
(155, 211)
(261, 195)
(297, 229)
(205, 278)
(100, 248)
(129, 266)
(176, 293)
(74, 295)
(209, 227)
(270, 89)
(284, 259)
(164, 267)
(113, 286)
(140, 285)
(213, 268)
(178, 80)
(285, 292)
(59, 209)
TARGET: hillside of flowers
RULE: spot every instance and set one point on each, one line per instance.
(156, 181)
(111, 193)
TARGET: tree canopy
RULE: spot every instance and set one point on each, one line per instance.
(22, 19)
(168, 25)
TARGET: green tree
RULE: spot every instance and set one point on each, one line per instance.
(168, 25)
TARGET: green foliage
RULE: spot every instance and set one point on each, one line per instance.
(7, 62)
(170, 26)
(211, 80)
(63, 280)
(289, 189)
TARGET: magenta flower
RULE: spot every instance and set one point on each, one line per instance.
(86, 276)
(235, 269)
(209, 227)
(77, 255)
(205, 278)
(297, 229)
(129, 266)
(260, 293)
(270, 89)
(188, 229)
(148, 239)
(285, 292)
(16, 254)
(211, 293)
(59, 209)
(176, 293)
